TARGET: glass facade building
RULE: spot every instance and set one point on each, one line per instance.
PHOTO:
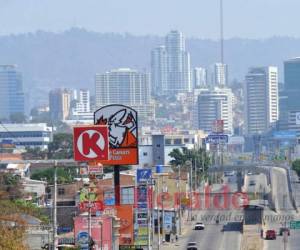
(11, 92)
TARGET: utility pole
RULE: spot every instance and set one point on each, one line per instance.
(179, 188)
(158, 217)
(55, 208)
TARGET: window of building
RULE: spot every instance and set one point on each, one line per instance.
(145, 153)
(61, 191)
(127, 195)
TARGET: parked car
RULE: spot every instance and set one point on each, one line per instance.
(284, 229)
(270, 235)
(199, 226)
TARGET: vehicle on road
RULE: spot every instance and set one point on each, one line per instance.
(192, 246)
(199, 226)
(284, 229)
(270, 235)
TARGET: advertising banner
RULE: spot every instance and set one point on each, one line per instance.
(122, 122)
(125, 214)
(81, 232)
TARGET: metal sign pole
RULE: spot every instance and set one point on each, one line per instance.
(117, 184)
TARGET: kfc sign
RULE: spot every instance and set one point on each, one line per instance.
(122, 122)
(90, 143)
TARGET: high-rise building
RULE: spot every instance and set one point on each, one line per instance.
(159, 70)
(124, 86)
(83, 104)
(220, 74)
(200, 77)
(178, 63)
(289, 97)
(261, 99)
(59, 104)
(11, 92)
(215, 105)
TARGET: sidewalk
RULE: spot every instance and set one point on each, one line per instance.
(182, 239)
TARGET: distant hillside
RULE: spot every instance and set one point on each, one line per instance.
(72, 58)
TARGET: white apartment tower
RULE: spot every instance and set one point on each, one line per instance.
(200, 77)
(220, 74)
(124, 86)
(159, 83)
(261, 99)
(215, 105)
(83, 104)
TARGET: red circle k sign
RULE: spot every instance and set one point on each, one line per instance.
(90, 143)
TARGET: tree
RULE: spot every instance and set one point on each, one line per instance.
(61, 147)
(64, 175)
(17, 117)
(10, 186)
(296, 166)
(199, 158)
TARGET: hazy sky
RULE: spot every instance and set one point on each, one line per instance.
(197, 18)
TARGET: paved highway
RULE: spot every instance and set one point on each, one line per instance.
(284, 211)
(213, 237)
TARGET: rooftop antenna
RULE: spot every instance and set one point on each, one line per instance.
(221, 32)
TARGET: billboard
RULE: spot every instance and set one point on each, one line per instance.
(125, 214)
(90, 143)
(81, 232)
(122, 122)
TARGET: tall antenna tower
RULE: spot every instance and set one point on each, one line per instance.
(221, 32)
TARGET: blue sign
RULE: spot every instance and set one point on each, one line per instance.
(143, 175)
(109, 201)
(285, 134)
(216, 138)
(83, 240)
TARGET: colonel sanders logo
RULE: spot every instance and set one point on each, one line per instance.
(122, 125)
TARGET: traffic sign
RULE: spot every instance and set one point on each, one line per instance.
(143, 175)
(217, 138)
(90, 143)
(295, 224)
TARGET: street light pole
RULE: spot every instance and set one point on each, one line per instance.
(55, 208)
(179, 187)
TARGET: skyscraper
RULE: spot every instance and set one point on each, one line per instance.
(215, 105)
(289, 98)
(159, 83)
(83, 104)
(124, 86)
(200, 77)
(59, 104)
(220, 74)
(11, 91)
(178, 63)
(261, 99)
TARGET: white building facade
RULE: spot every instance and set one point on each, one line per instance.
(200, 77)
(220, 74)
(125, 86)
(261, 99)
(212, 105)
(26, 135)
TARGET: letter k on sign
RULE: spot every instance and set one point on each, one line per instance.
(90, 143)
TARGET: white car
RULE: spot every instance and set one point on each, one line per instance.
(199, 226)
(192, 246)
